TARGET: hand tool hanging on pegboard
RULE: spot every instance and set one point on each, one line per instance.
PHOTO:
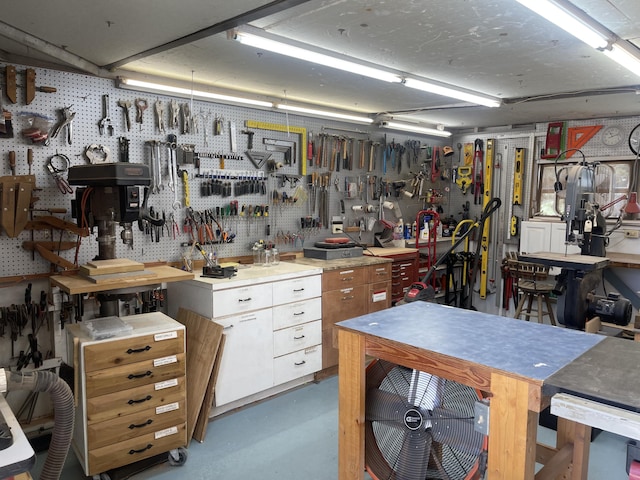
(478, 185)
(486, 198)
(518, 178)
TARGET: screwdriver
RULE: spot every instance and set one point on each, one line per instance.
(29, 158)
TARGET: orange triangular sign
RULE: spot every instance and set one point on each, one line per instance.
(578, 136)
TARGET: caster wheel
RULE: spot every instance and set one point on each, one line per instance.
(177, 457)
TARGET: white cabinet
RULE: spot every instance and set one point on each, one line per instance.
(272, 320)
(538, 236)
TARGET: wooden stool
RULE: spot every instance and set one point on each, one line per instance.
(530, 279)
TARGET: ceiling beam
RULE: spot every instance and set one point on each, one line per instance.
(260, 12)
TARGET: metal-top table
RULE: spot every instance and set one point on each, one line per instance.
(508, 358)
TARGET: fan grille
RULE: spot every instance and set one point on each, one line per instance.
(419, 426)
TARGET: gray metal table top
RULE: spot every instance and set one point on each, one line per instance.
(531, 350)
(606, 373)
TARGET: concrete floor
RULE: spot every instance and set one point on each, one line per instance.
(294, 436)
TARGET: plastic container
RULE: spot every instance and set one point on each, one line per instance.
(105, 327)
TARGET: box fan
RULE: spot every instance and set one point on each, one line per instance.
(420, 427)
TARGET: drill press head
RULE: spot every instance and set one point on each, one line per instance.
(114, 199)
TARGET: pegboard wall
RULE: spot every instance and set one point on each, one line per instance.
(83, 95)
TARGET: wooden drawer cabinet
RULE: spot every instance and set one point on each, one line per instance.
(131, 393)
(343, 278)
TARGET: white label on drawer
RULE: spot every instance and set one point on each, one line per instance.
(167, 408)
(158, 337)
(165, 360)
(379, 296)
(247, 318)
(346, 290)
(166, 384)
(345, 272)
(310, 350)
(166, 432)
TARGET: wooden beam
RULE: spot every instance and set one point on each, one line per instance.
(512, 430)
(351, 385)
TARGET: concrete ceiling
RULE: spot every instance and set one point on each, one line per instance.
(496, 47)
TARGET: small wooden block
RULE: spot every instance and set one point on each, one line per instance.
(106, 267)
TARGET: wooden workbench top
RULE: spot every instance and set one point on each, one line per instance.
(74, 284)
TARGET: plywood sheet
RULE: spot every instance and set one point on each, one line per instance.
(200, 431)
(203, 341)
(115, 265)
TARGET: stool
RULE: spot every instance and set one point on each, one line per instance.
(530, 279)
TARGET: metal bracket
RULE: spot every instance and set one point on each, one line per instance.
(284, 146)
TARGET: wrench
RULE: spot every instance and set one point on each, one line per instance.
(106, 119)
(160, 115)
(173, 174)
(125, 105)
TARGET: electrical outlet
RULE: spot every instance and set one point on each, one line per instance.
(632, 234)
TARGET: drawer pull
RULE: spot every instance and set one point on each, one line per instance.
(297, 364)
(298, 289)
(299, 338)
(140, 425)
(346, 279)
(349, 297)
(227, 327)
(145, 399)
(132, 451)
(140, 375)
(139, 350)
(244, 299)
(298, 314)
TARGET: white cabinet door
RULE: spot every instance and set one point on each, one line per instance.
(535, 237)
(247, 361)
(558, 236)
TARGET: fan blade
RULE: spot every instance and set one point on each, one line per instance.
(385, 407)
(425, 389)
(413, 459)
(458, 433)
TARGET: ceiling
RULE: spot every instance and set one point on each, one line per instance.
(496, 47)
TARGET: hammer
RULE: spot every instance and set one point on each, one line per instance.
(249, 134)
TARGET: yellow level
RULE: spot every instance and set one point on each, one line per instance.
(276, 127)
(518, 173)
(486, 198)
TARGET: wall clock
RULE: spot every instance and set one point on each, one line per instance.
(612, 135)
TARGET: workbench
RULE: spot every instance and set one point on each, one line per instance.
(518, 363)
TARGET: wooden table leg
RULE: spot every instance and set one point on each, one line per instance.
(580, 436)
(512, 430)
(351, 405)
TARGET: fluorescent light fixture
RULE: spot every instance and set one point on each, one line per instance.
(324, 113)
(408, 127)
(315, 57)
(620, 52)
(451, 92)
(560, 14)
(187, 92)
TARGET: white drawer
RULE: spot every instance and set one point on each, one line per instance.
(297, 289)
(296, 313)
(297, 364)
(296, 338)
(241, 299)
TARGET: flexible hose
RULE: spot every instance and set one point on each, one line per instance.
(64, 413)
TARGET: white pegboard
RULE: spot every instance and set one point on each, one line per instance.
(84, 94)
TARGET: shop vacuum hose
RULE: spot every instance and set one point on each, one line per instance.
(64, 412)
